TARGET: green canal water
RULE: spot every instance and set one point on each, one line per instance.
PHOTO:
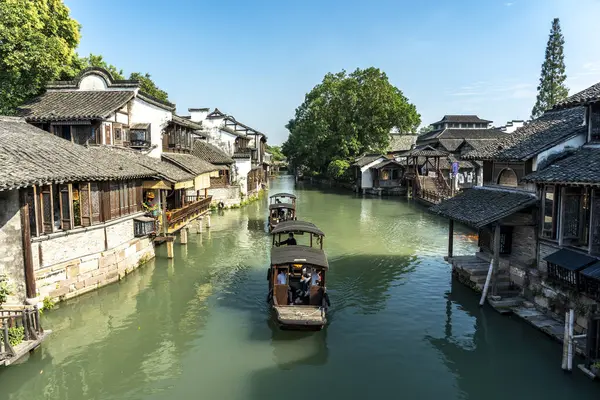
(198, 327)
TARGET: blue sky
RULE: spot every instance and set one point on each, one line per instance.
(257, 59)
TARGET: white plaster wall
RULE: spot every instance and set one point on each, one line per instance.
(11, 245)
(122, 118)
(575, 142)
(243, 165)
(223, 140)
(143, 112)
(93, 82)
(120, 233)
(199, 116)
(367, 175)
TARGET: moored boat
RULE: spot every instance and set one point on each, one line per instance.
(282, 207)
(297, 276)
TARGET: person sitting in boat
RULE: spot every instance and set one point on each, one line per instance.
(304, 282)
(281, 278)
(290, 240)
(315, 278)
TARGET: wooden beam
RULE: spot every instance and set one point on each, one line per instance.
(496, 260)
(27, 254)
(561, 217)
(163, 201)
(450, 238)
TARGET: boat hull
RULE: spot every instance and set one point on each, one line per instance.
(300, 317)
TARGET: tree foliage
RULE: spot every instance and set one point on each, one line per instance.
(346, 115)
(552, 88)
(276, 153)
(95, 60)
(338, 169)
(425, 129)
(37, 44)
(147, 85)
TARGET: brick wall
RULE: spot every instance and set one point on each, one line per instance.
(545, 250)
(11, 245)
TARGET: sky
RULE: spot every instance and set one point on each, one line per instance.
(256, 60)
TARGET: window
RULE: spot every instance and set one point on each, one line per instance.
(595, 122)
(595, 226)
(575, 224)
(82, 134)
(46, 209)
(395, 174)
(62, 131)
(549, 212)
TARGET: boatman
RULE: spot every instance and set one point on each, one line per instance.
(290, 240)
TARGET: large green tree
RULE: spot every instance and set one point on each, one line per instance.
(37, 44)
(552, 88)
(276, 153)
(148, 86)
(344, 116)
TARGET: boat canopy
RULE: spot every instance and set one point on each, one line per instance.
(299, 255)
(297, 226)
(282, 205)
(291, 196)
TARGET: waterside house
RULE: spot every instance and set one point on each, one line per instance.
(239, 141)
(221, 188)
(537, 213)
(380, 174)
(67, 214)
(457, 135)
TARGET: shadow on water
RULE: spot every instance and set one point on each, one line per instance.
(484, 350)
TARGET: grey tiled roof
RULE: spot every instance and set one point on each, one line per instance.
(469, 119)
(581, 166)
(31, 156)
(459, 133)
(540, 134)
(246, 154)
(401, 142)
(161, 168)
(186, 122)
(366, 159)
(480, 206)
(190, 163)
(233, 132)
(423, 151)
(210, 153)
(590, 94)
(66, 105)
(451, 144)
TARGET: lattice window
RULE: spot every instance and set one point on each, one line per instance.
(591, 286)
(85, 204)
(550, 208)
(114, 200)
(46, 207)
(65, 207)
(562, 275)
(30, 200)
(595, 122)
(95, 202)
(571, 216)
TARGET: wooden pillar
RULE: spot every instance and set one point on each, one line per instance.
(450, 238)
(199, 230)
(170, 252)
(205, 192)
(27, 254)
(208, 220)
(496, 260)
(163, 201)
(183, 235)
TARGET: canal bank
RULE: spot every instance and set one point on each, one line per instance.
(198, 326)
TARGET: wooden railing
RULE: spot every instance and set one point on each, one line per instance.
(189, 211)
(432, 196)
(28, 319)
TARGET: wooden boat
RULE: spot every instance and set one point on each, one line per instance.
(298, 297)
(282, 207)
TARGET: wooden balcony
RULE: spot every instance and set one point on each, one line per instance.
(180, 217)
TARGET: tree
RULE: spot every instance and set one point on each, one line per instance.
(276, 153)
(95, 60)
(148, 86)
(425, 129)
(344, 116)
(552, 88)
(37, 44)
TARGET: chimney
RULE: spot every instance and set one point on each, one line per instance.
(198, 114)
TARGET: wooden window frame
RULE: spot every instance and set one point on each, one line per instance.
(555, 212)
(583, 217)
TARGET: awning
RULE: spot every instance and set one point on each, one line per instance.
(570, 260)
(157, 185)
(184, 185)
(481, 206)
(593, 271)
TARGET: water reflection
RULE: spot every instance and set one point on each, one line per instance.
(292, 349)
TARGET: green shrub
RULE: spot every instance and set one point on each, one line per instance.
(16, 335)
(4, 289)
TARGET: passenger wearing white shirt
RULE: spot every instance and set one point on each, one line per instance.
(281, 278)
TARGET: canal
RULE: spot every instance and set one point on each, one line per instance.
(198, 327)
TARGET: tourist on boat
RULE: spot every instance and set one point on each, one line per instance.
(315, 278)
(290, 241)
(281, 278)
(304, 280)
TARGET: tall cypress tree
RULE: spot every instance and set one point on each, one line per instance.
(552, 89)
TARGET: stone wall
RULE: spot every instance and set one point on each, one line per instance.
(11, 245)
(71, 263)
(229, 195)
